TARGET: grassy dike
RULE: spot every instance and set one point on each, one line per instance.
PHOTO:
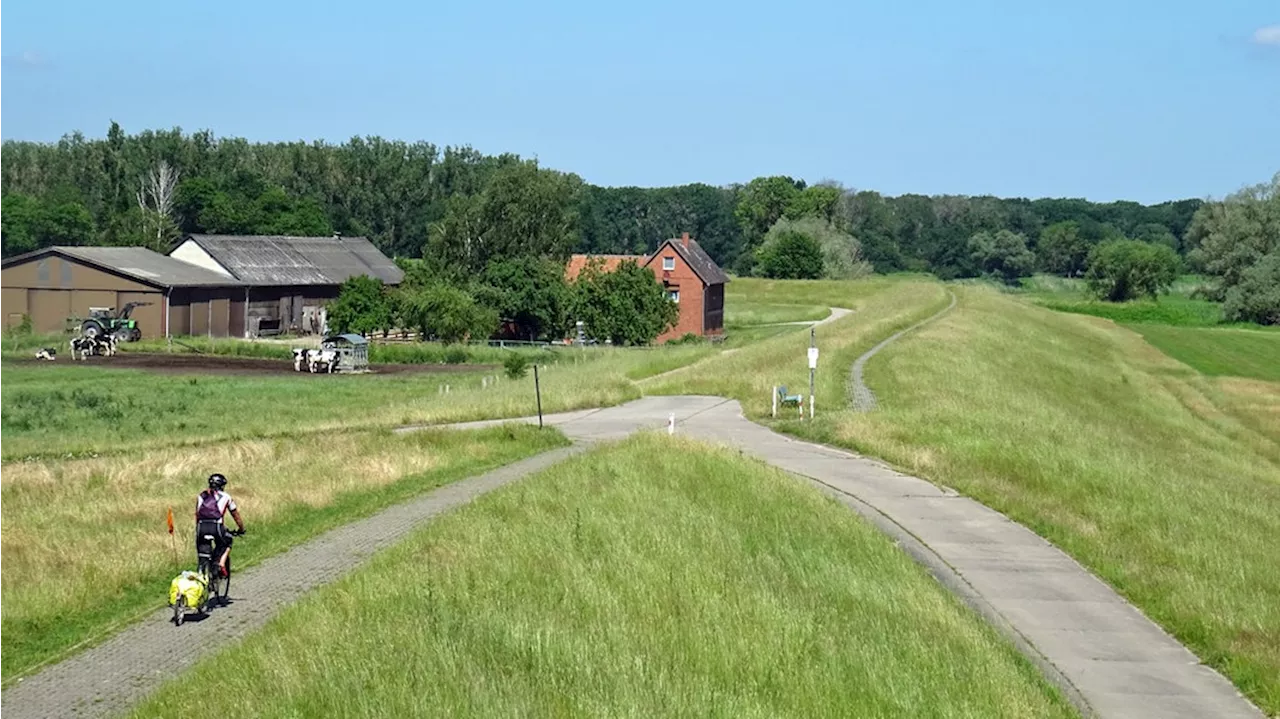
(658, 577)
(1162, 481)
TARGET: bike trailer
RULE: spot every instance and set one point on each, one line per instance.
(189, 585)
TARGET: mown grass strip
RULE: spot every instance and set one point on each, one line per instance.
(1219, 352)
(654, 578)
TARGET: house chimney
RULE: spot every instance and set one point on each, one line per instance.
(684, 240)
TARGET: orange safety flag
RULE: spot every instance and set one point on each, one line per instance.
(171, 520)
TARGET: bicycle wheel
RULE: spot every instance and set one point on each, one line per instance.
(226, 585)
(179, 611)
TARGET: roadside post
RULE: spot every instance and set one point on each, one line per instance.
(537, 389)
(813, 364)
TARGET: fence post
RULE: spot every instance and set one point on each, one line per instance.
(537, 388)
(774, 413)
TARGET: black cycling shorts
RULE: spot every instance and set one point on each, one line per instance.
(222, 538)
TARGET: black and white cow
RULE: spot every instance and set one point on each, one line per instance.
(47, 353)
(82, 346)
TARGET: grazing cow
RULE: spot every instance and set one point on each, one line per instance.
(299, 355)
(82, 346)
(47, 353)
(105, 345)
(321, 360)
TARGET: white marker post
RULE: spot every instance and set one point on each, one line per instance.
(671, 424)
(813, 365)
(775, 401)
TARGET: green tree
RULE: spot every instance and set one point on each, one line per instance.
(820, 201)
(1121, 270)
(1062, 250)
(21, 217)
(529, 292)
(1256, 298)
(841, 253)
(627, 306)
(789, 254)
(445, 313)
(362, 306)
(1003, 255)
(1156, 234)
(524, 211)
(761, 203)
(1229, 237)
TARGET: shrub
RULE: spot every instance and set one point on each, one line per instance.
(455, 355)
(1121, 270)
(516, 365)
(790, 255)
(1256, 298)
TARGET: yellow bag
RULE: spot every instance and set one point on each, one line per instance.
(189, 585)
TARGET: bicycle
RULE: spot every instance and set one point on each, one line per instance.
(218, 584)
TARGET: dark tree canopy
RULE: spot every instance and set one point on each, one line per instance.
(465, 209)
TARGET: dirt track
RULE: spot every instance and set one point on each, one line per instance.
(225, 365)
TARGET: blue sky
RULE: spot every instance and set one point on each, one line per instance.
(1136, 99)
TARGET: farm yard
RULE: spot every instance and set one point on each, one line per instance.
(980, 400)
(200, 364)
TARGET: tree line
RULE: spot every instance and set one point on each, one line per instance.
(459, 211)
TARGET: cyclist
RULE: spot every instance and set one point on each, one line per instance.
(211, 505)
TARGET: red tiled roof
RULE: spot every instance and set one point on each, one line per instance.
(609, 263)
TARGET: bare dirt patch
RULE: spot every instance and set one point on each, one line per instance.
(252, 366)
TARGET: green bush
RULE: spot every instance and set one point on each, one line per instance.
(516, 365)
(1256, 298)
(1121, 270)
(455, 355)
(789, 255)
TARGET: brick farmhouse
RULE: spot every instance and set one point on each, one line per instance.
(691, 278)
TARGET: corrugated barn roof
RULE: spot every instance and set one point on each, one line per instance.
(279, 260)
(138, 263)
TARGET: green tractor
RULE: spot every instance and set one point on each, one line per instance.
(107, 322)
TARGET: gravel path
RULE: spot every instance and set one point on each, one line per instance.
(860, 394)
(1107, 657)
(108, 679)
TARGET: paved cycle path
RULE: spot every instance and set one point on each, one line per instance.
(1109, 658)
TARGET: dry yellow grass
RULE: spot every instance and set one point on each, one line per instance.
(85, 539)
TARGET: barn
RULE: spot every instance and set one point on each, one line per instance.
(55, 284)
(289, 279)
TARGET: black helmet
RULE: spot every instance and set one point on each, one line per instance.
(217, 481)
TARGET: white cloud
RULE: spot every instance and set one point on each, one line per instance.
(1269, 35)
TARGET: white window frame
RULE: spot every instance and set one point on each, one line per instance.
(669, 263)
(674, 296)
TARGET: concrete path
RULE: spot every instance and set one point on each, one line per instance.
(835, 314)
(1106, 655)
(1109, 658)
(860, 395)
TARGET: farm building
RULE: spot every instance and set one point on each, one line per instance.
(289, 279)
(692, 279)
(55, 284)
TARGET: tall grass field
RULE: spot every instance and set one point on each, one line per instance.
(655, 578)
(86, 547)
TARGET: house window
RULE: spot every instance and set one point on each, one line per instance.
(668, 263)
(674, 296)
